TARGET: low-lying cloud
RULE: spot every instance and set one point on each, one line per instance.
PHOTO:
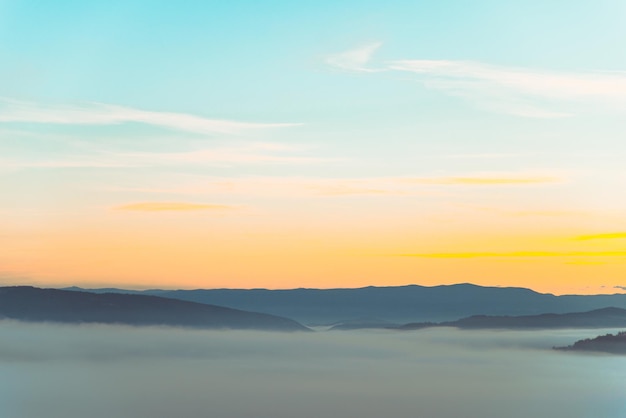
(104, 371)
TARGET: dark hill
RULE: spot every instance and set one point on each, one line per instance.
(599, 318)
(609, 343)
(27, 303)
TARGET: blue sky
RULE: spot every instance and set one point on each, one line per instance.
(502, 119)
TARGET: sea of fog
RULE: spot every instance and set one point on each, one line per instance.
(69, 371)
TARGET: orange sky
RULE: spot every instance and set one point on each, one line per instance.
(180, 246)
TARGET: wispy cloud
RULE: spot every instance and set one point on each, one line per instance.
(520, 254)
(270, 186)
(481, 181)
(528, 213)
(66, 162)
(355, 59)
(105, 114)
(248, 153)
(348, 190)
(519, 91)
(532, 82)
(323, 187)
(171, 206)
(611, 235)
(556, 213)
(488, 155)
(245, 153)
(526, 92)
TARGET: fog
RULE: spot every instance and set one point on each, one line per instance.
(114, 371)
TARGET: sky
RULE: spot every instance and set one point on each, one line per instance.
(321, 144)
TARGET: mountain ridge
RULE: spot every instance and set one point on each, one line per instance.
(29, 303)
(398, 304)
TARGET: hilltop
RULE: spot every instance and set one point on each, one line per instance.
(26, 303)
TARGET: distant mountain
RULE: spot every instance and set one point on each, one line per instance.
(399, 304)
(609, 343)
(599, 318)
(27, 303)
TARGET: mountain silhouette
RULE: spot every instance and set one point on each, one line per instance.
(28, 303)
(599, 318)
(397, 304)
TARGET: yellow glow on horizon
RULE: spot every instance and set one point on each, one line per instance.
(320, 244)
(222, 254)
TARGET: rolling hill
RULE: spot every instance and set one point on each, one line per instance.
(599, 318)
(33, 304)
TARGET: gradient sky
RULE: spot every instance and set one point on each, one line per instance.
(289, 144)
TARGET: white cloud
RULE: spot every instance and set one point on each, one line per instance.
(355, 59)
(105, 114)
(519, 91)
(512, 90)
(537, 83)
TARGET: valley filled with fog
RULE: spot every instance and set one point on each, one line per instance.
(103, 371)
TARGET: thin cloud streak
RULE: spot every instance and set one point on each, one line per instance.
(171, 206)
(488, 155)
(219, 155)
(528, 213)
(613, 235)
(245, 154)
(519, 91)
(482, 181)
(79, 162)
(347, 190)
(520, 254)
(105, 114)
(328, 187)
(521, 80)
(554, 213)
